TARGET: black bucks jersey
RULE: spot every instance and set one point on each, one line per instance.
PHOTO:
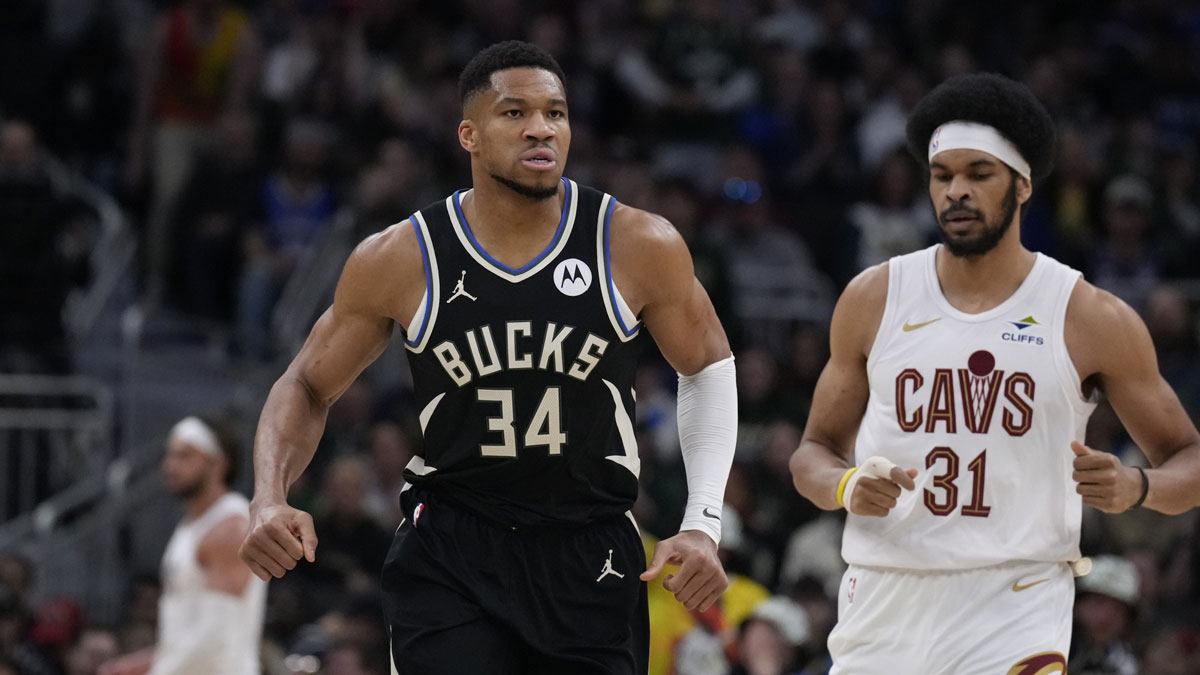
(524, 377)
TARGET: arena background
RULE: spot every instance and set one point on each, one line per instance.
(165, 248)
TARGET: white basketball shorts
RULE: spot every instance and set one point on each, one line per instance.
(1012, 619)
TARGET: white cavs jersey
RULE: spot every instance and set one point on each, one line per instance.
(202, 631)
(985, 406)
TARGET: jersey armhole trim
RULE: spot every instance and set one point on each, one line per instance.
(883, 337)
(1068, 373)
(623, 320)
(426, 315)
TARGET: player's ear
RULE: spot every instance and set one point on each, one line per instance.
(467, 136)
(1024, 189)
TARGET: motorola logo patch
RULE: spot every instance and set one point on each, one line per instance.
(572, 277)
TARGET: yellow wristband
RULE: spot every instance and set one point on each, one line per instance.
(842, 484)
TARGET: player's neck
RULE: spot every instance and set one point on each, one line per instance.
(979, 283)
(509, 225)
(202, 501)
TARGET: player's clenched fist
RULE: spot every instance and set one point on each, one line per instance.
(1104, 481)
(873, 488)
(279, 536)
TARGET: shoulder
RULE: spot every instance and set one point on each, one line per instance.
(636, 229)
(868, 286)
(649, 257)
(859, 310)
(390, 260)
(1103, 333)
(1092, 307)
(223, 538)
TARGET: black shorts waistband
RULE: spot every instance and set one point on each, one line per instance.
(419, 494)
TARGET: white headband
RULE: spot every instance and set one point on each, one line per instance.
(194, 432)
(962, 135)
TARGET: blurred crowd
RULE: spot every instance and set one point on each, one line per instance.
(770, 133)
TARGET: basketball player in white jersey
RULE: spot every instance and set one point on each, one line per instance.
(949, 420)
(211, 611)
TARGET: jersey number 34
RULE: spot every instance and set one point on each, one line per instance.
(544, 428)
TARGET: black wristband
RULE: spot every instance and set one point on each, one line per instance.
(1145, 487)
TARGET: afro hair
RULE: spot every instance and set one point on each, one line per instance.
(991, 99)
(477, 75)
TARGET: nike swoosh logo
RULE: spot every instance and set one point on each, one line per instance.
(913, 326)
(709, 515)
(1017, 588)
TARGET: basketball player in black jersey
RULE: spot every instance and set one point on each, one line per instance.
(521, 301)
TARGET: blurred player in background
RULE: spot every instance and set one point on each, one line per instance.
(211, 610)
(949, 420)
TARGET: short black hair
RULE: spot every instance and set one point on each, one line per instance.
(987, 98)
(477, 75)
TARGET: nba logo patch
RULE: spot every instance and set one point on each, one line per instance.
(417, 513)
(850, 589)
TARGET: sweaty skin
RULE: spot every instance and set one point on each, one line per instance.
(523, 114)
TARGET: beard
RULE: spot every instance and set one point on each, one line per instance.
(187, 491)
(992, 232)
(537, 194)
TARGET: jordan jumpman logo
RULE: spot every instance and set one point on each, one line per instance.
(459, 290)
(608, 569)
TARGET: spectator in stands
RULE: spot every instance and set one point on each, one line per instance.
(893, 220)
(1104, 612)
(297, 203)
(16, 574)
(772, 640)
(1125, 261)
(352, 541)
(390, 448)
(201, 60)
(93, 647)
(40, 257)
(16, 643)
(392, 187)
(217, 208)
(1172, 325)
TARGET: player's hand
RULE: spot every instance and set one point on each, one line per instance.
(279, 536)
(1104, 481)
(700, 579)
(875, 487)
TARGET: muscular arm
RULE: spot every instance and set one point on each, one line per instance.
(1112, 349)
(382, 279)
(653, 269)
(827, 448)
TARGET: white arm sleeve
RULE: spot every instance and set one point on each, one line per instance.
(708, 418)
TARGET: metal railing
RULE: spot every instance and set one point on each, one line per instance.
(56, 435)
(310, 287)
(111, 255)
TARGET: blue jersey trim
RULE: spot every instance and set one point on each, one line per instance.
(562, 221)
(612, 287)
(428, 284)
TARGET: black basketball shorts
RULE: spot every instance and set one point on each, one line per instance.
(464, 595)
